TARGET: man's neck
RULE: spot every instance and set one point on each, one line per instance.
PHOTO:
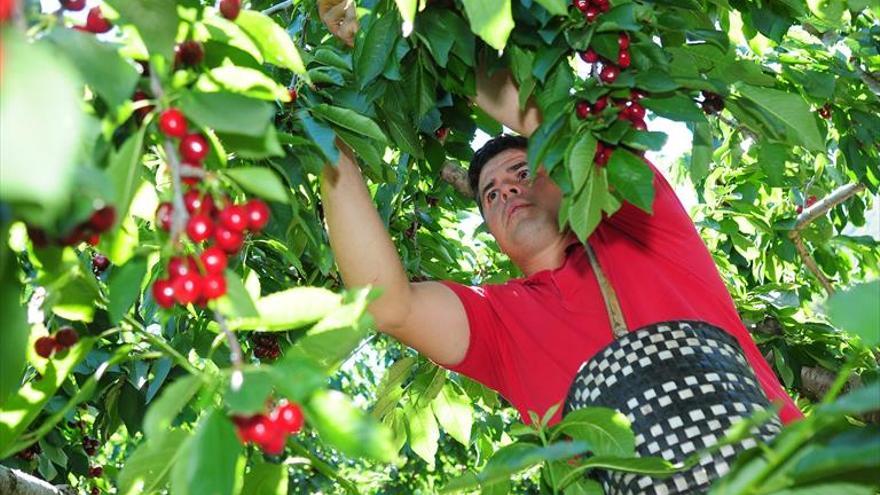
(550, 258)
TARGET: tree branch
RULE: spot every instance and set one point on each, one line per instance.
(817, 381)
(278, 6)
(819, 208)
(811, 264)
(17, 482)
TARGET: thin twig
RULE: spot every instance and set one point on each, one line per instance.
(179, 215)
(234, 346)
(811, 264)
(745, 130)
(162, 344)
(278, 6)
(322, 467)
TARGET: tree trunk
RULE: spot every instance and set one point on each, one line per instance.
(15, 482)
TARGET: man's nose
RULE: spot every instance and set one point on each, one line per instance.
(510, 191)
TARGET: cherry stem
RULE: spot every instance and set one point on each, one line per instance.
(234, 346)
(745, 130)
(190, 171)
(278, 6)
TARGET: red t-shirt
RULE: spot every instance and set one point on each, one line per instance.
(529, 336)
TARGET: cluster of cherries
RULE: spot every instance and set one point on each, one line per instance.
(627, 109)
(199, 280)
(95, 21)
(30, 453)
(712, 103)
(90, 445)
(47, 345)
(266, 347)
(592, 8)
(610, 71)
(808, 203)
(270, 432)
(90, 230)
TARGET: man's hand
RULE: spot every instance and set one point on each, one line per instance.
(340, 17)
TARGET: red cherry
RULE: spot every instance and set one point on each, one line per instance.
(179, 266)
(582, 5)
(163, 293)
(172, 123)
(38, 236)
(94, 239)
(289, 416)
(602, 5)
(639, 125)
(234, 217)
(96, 472)
(103, 218)
(589, 56)
(73, 5)
(99, 263)
(623, 41)
(600, 105)
(609, 73)
(441, 133)
(591, 13)
(229, 241)
(95, 491)
(244, 427)
(96, 23)
(811, 201)
(230, 8)
(293, 95)
(213, 286)
(633, 111)
(199, 227)
(187, 288)
(197, 202)
(623, 59)
(163, 215)
(603, 154)
(582, 109)
(45, 346)
(213, 260)
(66, 337)
(636, 95)
(189, 53)
(268, 435)
(193, 148)
(75, 236)
(799, 209)
(257, 214)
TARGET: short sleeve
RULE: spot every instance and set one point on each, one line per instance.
(482, 359)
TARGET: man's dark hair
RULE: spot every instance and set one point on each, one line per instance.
(490, 149)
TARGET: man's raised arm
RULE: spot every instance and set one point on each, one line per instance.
(498, 96)
(426, 316)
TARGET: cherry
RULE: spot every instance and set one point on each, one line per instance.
(609, 73)
(38, 236)
(799, 209)
(603, 154)
(163, 293)
(66, 337)
(293, 95)
(582, 109)
(45, 346)
(96, 23)
(623, 41)
(74, 237)
(230, 8)
(197, 202)
(199, 227)
(99, 263)
(96, 471)
(187, 288)
(229, 241)
(589, 56)
(103, 218)
(591, 13)
(712, 103)
(95, 491)
(179, 266)
(811, 201)
(639, 125)
(213, 260)
(189, 53)
(603, 5)
(600, 105)
(441, 133)
(193, 148)
(234, 217)
(163, 215)
(213, 286)
(257, 214)
(825, 111)
(73, 5)
(582, 5)
(623, 59)
(172, 123)
(634, 111)
(267, 434)
(94, 239)
(636, 95)
(289, 416)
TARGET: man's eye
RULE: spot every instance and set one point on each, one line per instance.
(524, 173)
(490, 196)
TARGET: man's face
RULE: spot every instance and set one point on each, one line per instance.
(521, 211)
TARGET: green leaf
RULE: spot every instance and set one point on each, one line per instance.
(632, 179)
(236, 303)
(148, 468)
(701, 153)
(99, 64)
(792, 111)
(213, 454)
(350, 120)
(244, 81)
(579, 160)
(248, 391)
(296, 377)
(605, 431)
(13, 352)
(858, 401)
(125, 287)
(492, 21)
(641, 140)
(455, 414)
(585, 211)
(373, 49)
(260, 181)
(274, 42)
(162, 413)
(155, 20)
(290, 309)
(253, 148)
(344, 426)
(26, 404)
(389, 391)
(125, 171)
(218, 29)
(43, 92)
(266, 479)
(321, 134)
(842, 458)
(227, 112)
(407, 10)
(677, 107)
(423, 432)
(851, 310)
(555, 7)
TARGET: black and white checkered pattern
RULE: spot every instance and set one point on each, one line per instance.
(682, 385)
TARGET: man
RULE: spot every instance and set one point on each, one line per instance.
(527, 338)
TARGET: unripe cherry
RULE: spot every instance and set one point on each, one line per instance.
(199, 227)
(163, 293)
(172, 123)
(257, 214)
(214, 260)
(229, 241)
(193, 148)
(188, 288)
(234, 217)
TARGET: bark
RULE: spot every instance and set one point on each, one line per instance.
(815, 382)
(15, 482)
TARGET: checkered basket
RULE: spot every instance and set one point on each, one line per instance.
(682, 384)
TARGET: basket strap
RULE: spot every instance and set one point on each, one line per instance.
(612, 305)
